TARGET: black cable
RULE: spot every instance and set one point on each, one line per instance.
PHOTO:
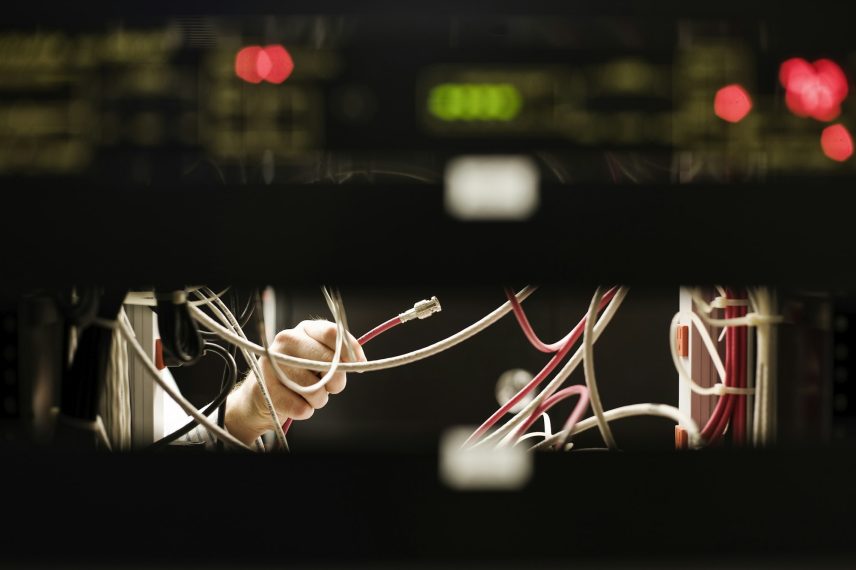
(84, 379)
(225, 389)
(180, 336)
(84, 310)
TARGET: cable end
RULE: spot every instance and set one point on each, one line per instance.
(421, 310)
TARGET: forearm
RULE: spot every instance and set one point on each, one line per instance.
(243, 419)
(248, 411)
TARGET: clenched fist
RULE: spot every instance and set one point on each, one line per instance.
(247, 416)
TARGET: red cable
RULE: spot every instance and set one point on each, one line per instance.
(721, 407)
(572, 337)
(573, 418)
(523, 321)
(527, 329)
(566, 345)
(393, 322)
(732, 407)
(727, 400)
(380, 329)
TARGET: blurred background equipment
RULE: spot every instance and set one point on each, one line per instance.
(676, 177)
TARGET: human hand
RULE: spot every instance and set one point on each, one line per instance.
(247, 416)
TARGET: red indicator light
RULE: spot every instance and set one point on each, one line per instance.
(246, 64)
(791, 67)
(813, 90)
(732, 103)
(272, 63)
(833, 77)
(281, 64)
(836, 142)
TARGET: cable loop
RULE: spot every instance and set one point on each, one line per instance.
(723, 302)
(756, 319)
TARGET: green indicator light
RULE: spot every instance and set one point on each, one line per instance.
(475, 102)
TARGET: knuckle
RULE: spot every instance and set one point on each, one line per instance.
(286, 338)
(328, 333)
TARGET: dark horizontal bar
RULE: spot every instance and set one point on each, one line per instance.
(821, 9)
(595, 507)
(798, 234)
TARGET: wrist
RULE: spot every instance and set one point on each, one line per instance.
(243, 418)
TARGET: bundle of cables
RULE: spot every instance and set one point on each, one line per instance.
(730, 409)
(180, 337)
(230, 378)
(513, 431)
(223, 324)
(731, 412)
(420, 310)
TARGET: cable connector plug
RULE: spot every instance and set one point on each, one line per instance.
(421, 310)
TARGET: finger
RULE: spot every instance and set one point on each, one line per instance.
(297, 343)
(317, 398)
(325, 333)
(337, 383)
(289, 404)
(306, 377)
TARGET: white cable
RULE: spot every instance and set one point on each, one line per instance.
(632, 410)
(748, 320)
(762, 318)
(759, 383)
(507, 429)
(548, 428)
(219, 308)
(761, 428)
(719, 302)
(532, 434)
(228, 318)
(115, 405)
(379, 364)
(588, 371)
(129, 335)
(334, 364)
(96, 426)
(147, 298)
(285, 380)
(685, 376)
(769, 374)
(338, 307)
(102, 432)
(226, 315)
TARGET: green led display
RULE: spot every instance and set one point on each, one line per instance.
(475, 102)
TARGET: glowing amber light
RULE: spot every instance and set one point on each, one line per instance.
(272, 63)
(732, 103)
(836, 142)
